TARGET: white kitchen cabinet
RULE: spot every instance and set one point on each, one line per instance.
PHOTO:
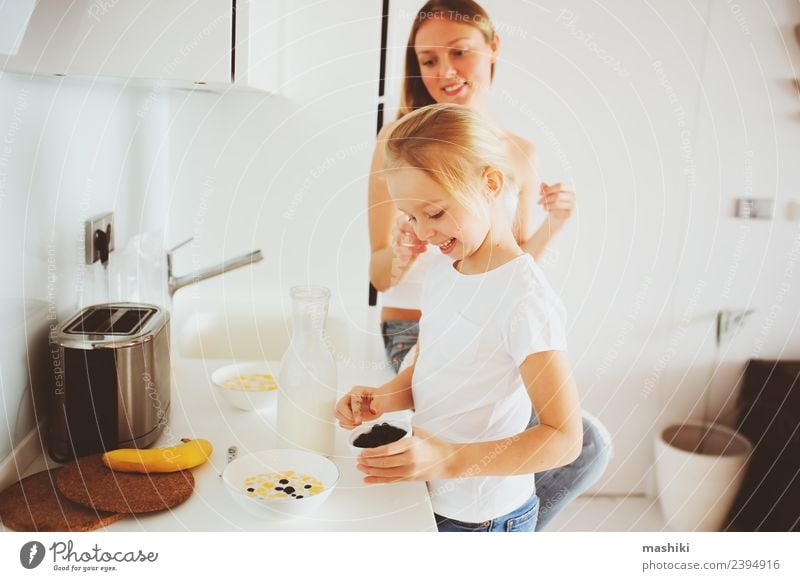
(215, 42)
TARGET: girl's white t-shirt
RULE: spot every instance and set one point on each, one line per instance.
(475, 332)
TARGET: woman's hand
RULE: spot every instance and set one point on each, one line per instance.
(420, 457)
(405, 244)
(358, 405)
(558, 200)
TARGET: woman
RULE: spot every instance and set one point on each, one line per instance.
(450, 58)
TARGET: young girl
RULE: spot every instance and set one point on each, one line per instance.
(452, 52)
(491, 338)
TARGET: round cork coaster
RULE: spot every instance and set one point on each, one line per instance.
(34, 505)
(91, 483)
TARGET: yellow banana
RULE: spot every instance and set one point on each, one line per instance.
(170, 459)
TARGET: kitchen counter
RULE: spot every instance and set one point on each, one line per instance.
(198, 411)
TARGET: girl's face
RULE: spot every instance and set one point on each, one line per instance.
(455, 61)
(436, 215)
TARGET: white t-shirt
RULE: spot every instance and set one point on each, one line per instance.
(475, 332)
(408, 293)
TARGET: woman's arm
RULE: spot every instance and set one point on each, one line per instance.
(556, 441)
(557, 200)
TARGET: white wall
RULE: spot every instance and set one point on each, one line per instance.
(68, 151)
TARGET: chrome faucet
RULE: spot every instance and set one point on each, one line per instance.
(176, 282)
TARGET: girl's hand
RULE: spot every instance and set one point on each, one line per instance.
(405, 244)
(420, 457)
(359, 405)
(558, 200)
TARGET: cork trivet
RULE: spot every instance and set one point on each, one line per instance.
(91, 483)
(34, 505)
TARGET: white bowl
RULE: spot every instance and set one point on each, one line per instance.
(367, 426)
(240, 398)
(279, 461)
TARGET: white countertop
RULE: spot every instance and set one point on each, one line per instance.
(197, 411)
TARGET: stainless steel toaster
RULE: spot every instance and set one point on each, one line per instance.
(112, 380)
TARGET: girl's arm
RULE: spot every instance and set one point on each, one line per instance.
(369, 403)
(396, 394)
(556, 441)
(388, 264)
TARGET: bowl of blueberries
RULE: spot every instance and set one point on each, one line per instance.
(280, 483)
(378, 433)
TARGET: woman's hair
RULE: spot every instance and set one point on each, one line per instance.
(453, 145)
(414, 94)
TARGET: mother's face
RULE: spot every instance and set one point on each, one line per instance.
(455, 61)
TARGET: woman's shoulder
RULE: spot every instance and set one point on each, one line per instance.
(521, 156)
(518, 145)
(386, 130)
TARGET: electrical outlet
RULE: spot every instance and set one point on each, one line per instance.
(104, 223)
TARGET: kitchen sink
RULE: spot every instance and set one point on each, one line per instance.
(262, 335)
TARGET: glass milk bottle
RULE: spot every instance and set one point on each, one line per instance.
(307, 379)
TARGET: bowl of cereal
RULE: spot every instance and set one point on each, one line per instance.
(280, 483)
(246, 386)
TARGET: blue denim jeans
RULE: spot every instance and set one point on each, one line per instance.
(398, 339)
(555, 488)
(519, 520)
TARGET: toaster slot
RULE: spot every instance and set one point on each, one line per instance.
(130, 322)
(92, 321)
(111, 321)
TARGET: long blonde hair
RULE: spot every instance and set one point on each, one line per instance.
(453, 145)
(414, 94)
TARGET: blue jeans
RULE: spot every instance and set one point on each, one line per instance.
(519, 520)
(555, 488)
(398, 339)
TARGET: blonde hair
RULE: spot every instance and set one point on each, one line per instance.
(414, 94)
(453, 145)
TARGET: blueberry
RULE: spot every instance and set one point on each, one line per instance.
(288, 489)
(299, 496)
(283, 481)
(279, 488)
(307, 486)
(251, 490)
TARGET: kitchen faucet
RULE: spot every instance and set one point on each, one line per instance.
(175, 283)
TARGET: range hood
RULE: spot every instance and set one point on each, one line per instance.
(14, 19)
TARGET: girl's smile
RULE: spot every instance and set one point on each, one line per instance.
(447, 246)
